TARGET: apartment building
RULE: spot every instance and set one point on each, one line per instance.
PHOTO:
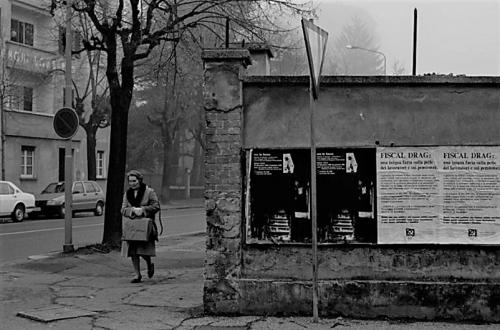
(32, 73)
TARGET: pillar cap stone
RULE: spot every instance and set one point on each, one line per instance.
(226, 54)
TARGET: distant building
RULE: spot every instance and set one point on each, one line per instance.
(32, 90)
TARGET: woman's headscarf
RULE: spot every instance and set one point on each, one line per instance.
(135, 199)
(137, 174)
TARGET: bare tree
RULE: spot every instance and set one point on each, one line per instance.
(128, 31)
(357, 61)
(100, 109)
(170, 94)
(182, 100)
(398, 68)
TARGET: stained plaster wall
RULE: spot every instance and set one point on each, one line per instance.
(425, 282)
(363, 111)
(371, 112)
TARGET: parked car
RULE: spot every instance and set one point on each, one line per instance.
(87, 196)
(14, 202)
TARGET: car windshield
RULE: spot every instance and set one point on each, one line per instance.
(54, 188)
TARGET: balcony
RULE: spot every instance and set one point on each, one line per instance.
(37, 6)
(31, 59)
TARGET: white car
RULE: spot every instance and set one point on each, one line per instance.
(14, 202)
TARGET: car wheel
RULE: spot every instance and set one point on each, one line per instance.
(99, 209)
(62, 211)
(18, 214)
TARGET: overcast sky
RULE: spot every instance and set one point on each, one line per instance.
(459, 37)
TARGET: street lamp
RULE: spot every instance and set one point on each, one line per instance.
(371, 51)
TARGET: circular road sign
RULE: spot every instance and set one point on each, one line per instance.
(66, 123)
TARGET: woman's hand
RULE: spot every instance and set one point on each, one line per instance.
(138, 211)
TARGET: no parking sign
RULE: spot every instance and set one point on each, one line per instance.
(66, 123)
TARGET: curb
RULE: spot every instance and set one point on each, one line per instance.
(180, 207)
(58, 253)
(192, 233)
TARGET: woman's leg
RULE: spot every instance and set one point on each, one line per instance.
(137, 266)
(147, 259)
(151, 266)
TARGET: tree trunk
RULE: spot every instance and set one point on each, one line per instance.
(176, 173)
(91, 154)
(165, 180)
(121, 97)
(116, 175)
(197, 162)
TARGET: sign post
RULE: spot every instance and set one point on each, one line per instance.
(315, 39)
(68, 198)
(65, 125)
(66, 119)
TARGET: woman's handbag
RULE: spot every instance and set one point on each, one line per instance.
(137, 229)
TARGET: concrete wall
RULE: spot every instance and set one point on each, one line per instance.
(360, 280)
(357, 111)
(223, 184)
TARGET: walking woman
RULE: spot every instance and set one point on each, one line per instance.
(140, 201)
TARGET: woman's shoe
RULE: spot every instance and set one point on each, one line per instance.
(151, 270)
(136, 280)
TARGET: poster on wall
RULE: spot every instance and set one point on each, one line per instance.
(438, 195)
(279, 196)
(345, 195)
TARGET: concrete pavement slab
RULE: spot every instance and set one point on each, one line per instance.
(54, 313)
(177, 295)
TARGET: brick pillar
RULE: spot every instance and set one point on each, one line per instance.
(223, 97)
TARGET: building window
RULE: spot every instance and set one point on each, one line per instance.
(27, 161)
(28, 98)
(100, 164)
(22, 32)
(20, 98)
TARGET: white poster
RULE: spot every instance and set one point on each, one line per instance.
(438, 195)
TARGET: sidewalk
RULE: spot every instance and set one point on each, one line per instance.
(94, 288)
(184, 204)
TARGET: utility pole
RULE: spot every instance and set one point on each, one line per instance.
(68, 156)
(2, 100)
(414, 69)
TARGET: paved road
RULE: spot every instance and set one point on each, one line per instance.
(40, 236)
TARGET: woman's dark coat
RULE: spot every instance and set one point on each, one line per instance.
(148, 200)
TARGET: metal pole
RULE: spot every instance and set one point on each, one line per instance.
(314, 231)
(414, 70)
(187, 194)
(3, 86)
(68, 156)
(227, 32)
